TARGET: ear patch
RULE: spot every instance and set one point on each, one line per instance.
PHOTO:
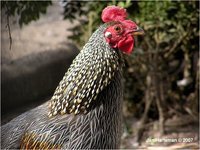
(108, 34)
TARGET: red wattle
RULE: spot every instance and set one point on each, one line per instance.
(126, 45)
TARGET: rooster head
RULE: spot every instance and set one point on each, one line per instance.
(120, 32)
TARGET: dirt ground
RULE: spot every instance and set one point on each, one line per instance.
(180, 133)
(50, 32)
(39, 50)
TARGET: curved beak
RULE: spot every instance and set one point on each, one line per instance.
(138, 31)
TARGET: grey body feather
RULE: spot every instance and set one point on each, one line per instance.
(85, 111)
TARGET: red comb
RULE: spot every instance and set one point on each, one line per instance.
(113, 13)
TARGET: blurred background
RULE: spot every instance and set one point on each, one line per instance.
(39, 40)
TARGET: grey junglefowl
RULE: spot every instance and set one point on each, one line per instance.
(85, 111)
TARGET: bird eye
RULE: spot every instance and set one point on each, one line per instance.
(117, 29)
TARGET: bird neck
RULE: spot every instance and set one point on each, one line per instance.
(89, 74)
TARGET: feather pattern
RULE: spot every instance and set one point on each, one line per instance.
(90, 72)
(97, 103)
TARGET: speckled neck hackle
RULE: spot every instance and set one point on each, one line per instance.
(90, 72)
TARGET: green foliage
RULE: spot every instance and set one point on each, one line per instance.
(167, 21)
(26, 10)
(166, 54)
